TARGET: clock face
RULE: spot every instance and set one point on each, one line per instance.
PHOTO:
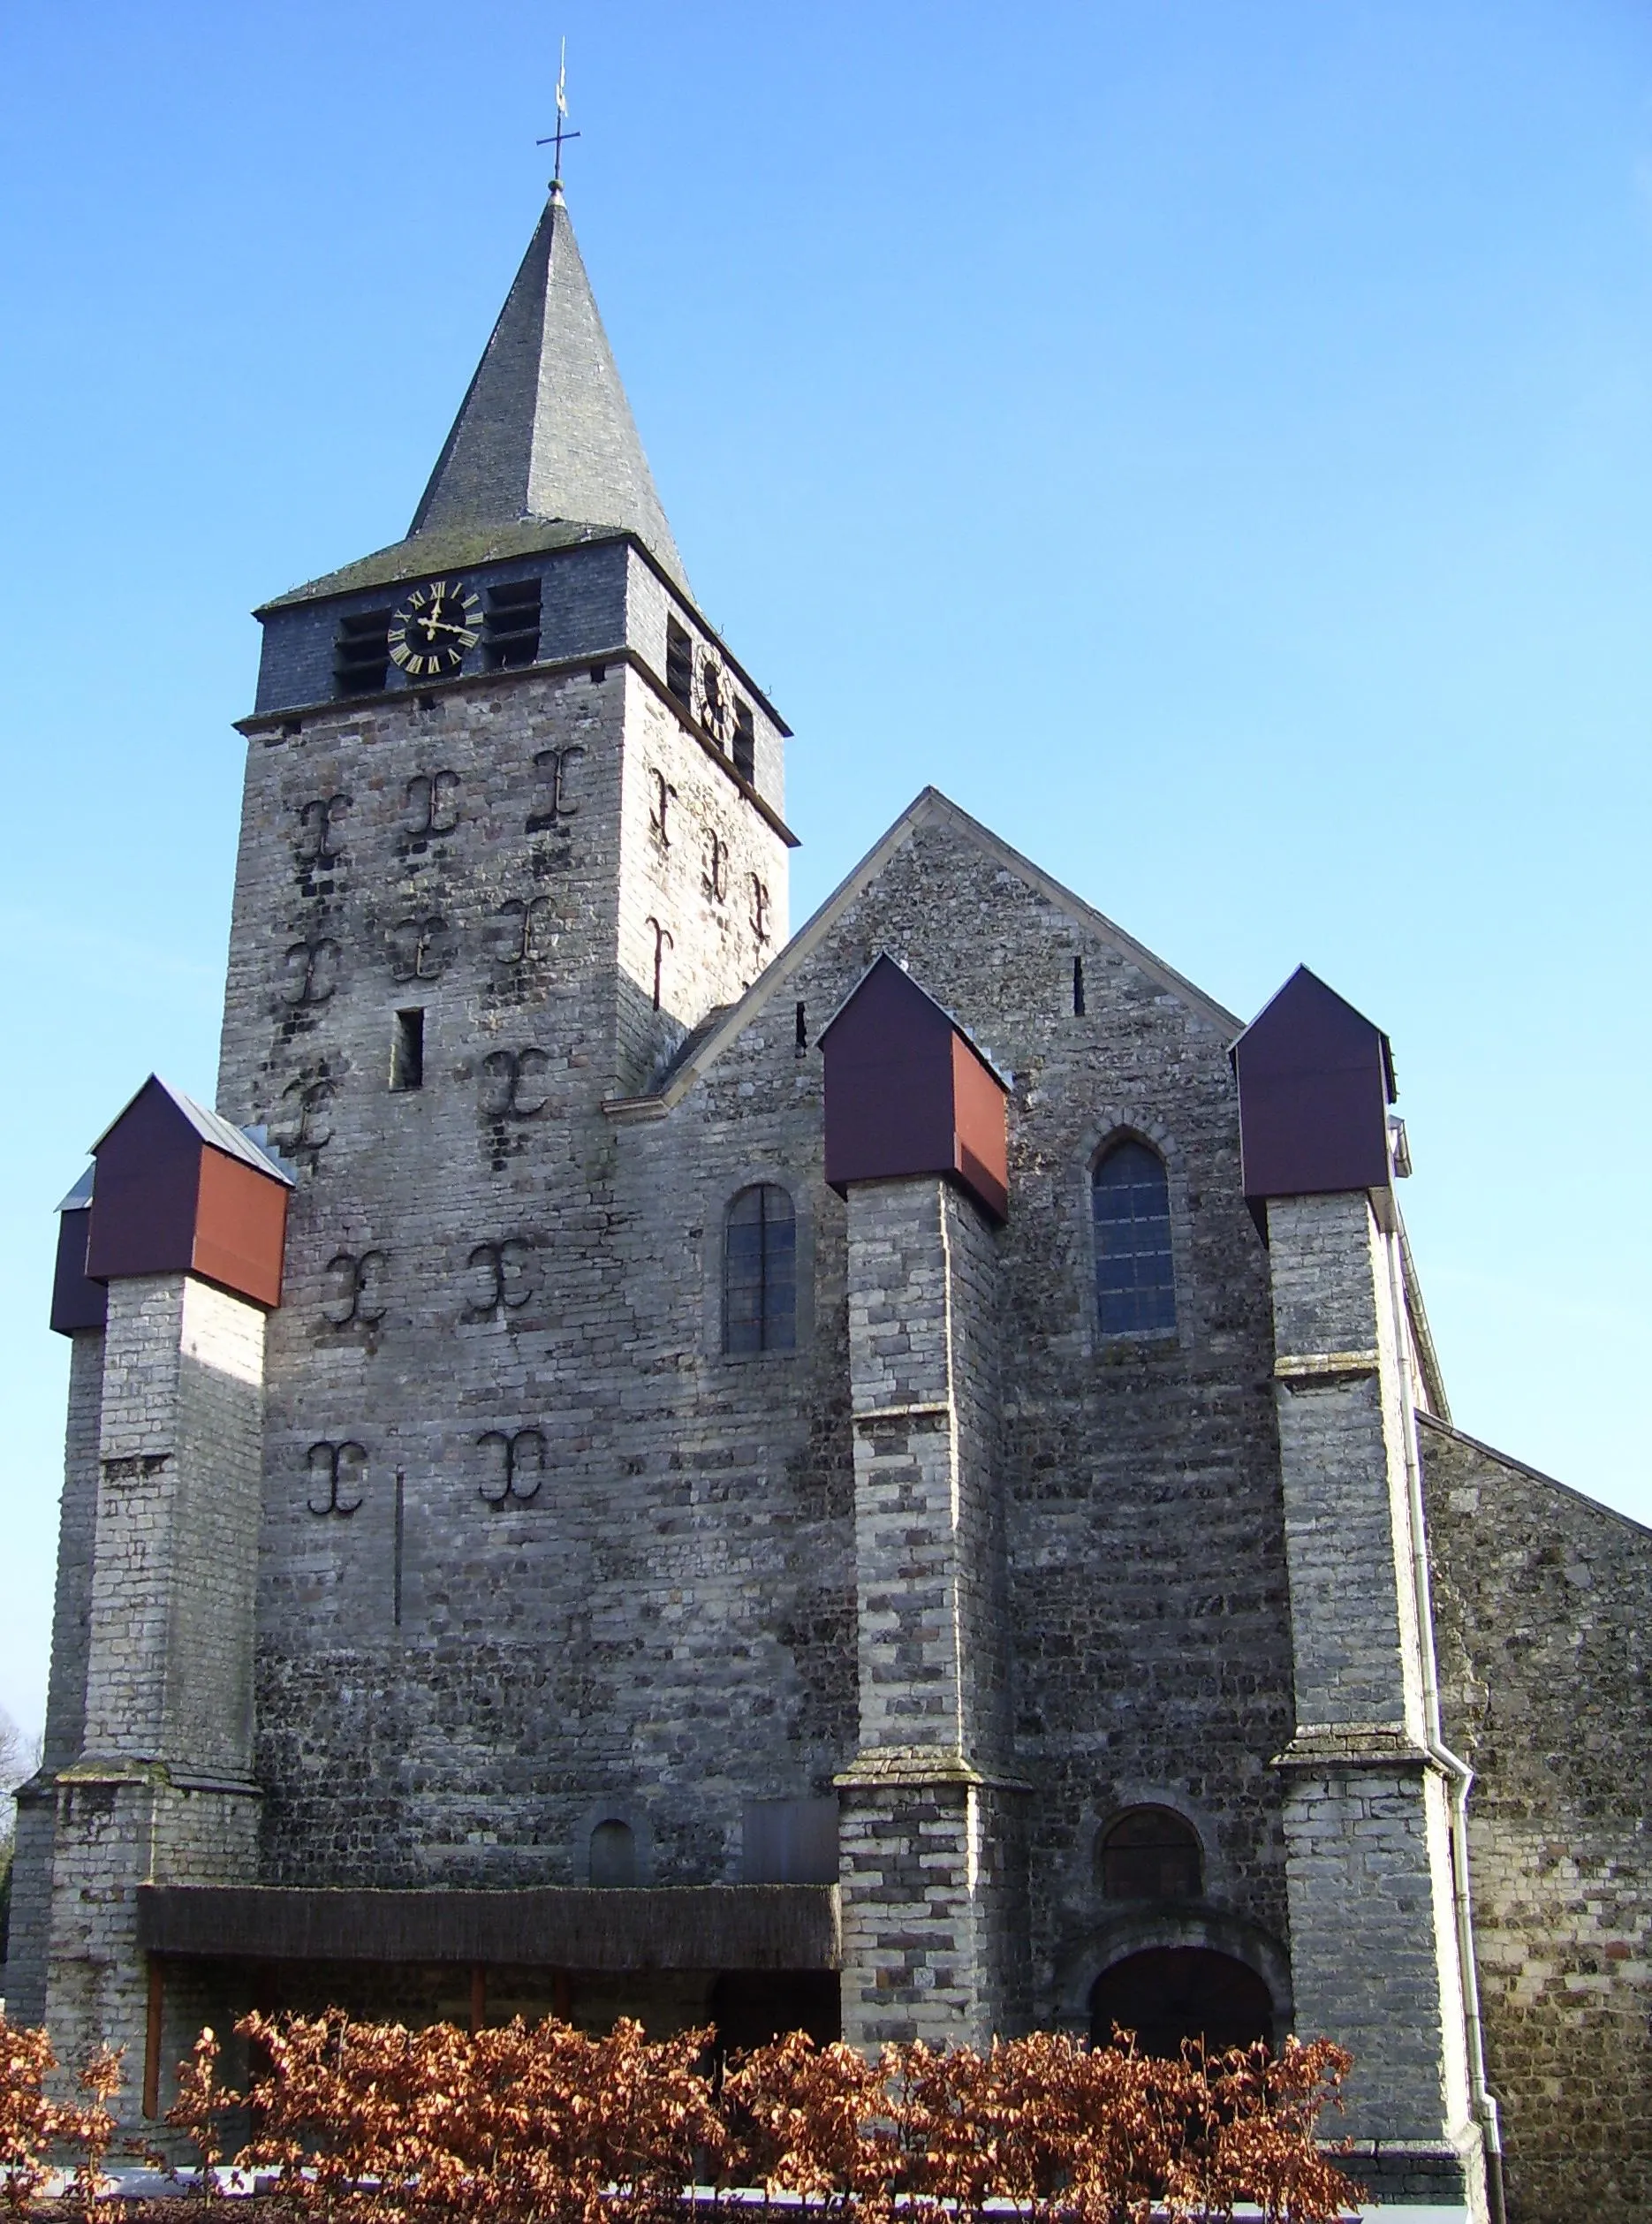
(434, 627)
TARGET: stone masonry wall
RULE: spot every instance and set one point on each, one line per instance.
(1150, 1642)
(1543, 1604)
(1367, 1822)
(170, 1660)
(161, 1788)
(658, 1623)
(923, 1320)
(66, 1696)
(1356, 1653)
(491, 1573)
(925, 1942)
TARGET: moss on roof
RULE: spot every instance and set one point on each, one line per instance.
(446, 549)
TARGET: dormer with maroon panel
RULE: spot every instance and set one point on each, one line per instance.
(1315, 1081)
(180, 1191)
(77, 1301)
(908, 1093)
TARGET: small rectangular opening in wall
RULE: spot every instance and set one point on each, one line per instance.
(401, 1526)
(679, 664)
(407, 1052)
(803, 1029)
(511, 623)
(745, 741)
(1078, 988)
(361, 653)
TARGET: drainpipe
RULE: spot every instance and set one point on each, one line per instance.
(1461, 1776)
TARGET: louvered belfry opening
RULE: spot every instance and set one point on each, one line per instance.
(361, 653)
(511, 623)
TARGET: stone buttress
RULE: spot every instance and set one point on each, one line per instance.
(928, 1828)
(1377, 1887)
(150, 1751)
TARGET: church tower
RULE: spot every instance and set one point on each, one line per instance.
(512, 828)
(512, 816)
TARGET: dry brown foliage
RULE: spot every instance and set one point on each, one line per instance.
(34, 2127)
(373, 2123)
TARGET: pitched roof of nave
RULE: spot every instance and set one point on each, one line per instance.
(544, 451)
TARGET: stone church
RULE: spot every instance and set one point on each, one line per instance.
(892, 1478)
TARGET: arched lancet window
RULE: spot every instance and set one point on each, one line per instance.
(1151, 1854)
(759, 1272)
(1135, 1278)
(613, 1854)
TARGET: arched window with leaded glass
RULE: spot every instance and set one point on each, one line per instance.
(1151, 1853)
(759, 1272)
(1135, 1275)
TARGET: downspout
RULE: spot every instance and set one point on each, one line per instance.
(1459, 1772)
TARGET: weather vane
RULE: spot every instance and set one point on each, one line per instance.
(559, 134)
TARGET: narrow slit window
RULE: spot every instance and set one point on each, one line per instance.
(745, 741)
(759, 1280)
(802, 1028)
(510, 624)
(1135, 1279)
(679, 664)
(361, 653)
(407, 1052)
(1078, 988)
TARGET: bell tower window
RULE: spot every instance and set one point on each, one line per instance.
(361, 653)
(745, 741)
(510, 624)
(679, 664)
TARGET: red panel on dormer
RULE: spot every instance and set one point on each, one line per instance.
(1315, 1079)
(178, 1191)
(907, 1093)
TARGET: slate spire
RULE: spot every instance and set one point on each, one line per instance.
(545, 431)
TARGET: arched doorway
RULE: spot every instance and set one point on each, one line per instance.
(1166, 1993)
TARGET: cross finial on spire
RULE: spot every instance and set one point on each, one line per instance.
(559, 134)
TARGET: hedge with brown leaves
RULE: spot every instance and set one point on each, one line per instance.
(368, 2123)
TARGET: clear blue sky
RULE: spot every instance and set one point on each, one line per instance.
(1212, 443)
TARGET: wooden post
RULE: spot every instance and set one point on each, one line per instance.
(559, 1995)
(152, 2038)
(478, 1997)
